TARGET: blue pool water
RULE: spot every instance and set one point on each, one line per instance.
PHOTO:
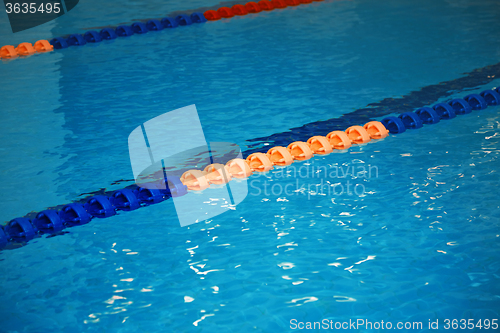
(419, 240)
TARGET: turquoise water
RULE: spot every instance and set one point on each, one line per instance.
(417, 242)
(331, 58)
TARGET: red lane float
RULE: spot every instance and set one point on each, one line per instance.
(239, 10)
(225, 12)
(292, 2)
(212, 15)
(265, 5)
(259, 162)
(279, 3)
(320, 145)
(358, 134)
(253, 7)
(300, 150)
(280, 156)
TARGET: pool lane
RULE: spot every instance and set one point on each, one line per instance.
(415, 99)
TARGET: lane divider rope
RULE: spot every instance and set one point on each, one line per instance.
(139, 28)
(21, 230)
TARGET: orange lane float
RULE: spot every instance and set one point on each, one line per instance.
(339, 140)
(300, 150)
(376, 130)
(25, 49)
(217, 174)
(239, 168)
(43, 46)
(195, 180)
(239, 10)
(212, 15)
(280, 156)
(358, 134)
(8, 51)
(320, 145)
(259, 162)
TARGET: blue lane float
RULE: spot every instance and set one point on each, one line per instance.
(48, 221)
(74, 214)
(183, 19)
(428, 115)
(92, 37)
(444, 110)
(394, 125)
(100, 206)
(169, 23)
(21, 230)
(411, 120)
(491, 97)
(175, 188)
(460, 106)
(149, 196)
(198, 18)
(154, 25)
(59, 43)
(125, 200)
(76, 40)
(476, 102)
(124, 31)
(108, 34)
(139, 28)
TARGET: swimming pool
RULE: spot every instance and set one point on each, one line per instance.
(417, 242)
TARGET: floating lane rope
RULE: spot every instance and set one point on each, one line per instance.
(25, 49)
(139, 28)
(22, 230)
